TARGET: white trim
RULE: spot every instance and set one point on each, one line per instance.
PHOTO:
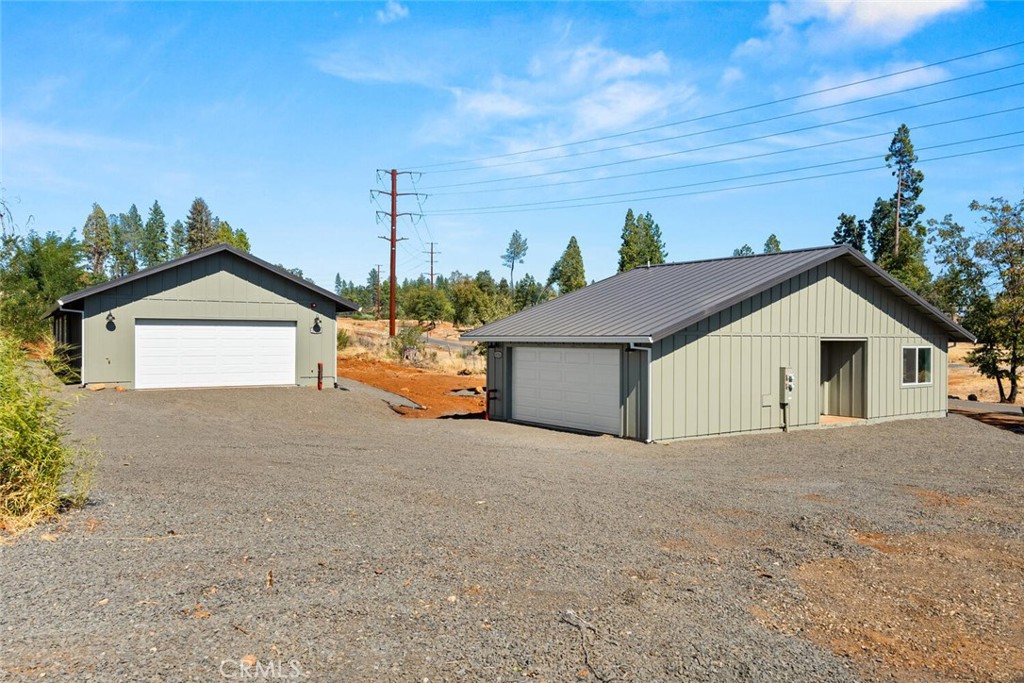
(931, 368)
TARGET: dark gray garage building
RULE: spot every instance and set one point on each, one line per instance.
(723, 346)
(217, 317)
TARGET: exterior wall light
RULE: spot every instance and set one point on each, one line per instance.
(110, 317)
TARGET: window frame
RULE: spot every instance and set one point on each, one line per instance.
(917, 365)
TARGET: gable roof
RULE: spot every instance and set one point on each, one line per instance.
(650, 303)
(196, 256)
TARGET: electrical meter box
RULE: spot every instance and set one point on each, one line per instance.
(787, 383)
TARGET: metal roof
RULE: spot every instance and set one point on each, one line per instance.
(650, 303)
(196, 256)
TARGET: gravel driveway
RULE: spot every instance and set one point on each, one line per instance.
(285, 533)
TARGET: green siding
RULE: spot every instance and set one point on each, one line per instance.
(220, 287)
(712, 377)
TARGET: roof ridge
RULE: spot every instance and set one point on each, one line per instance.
(730, 258)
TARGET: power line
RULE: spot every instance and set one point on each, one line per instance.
(726, 112)
(778, 117)
(746, 157)
(524, 208)
(663, 155)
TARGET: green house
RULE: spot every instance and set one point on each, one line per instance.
(217, 317)
(791, 340)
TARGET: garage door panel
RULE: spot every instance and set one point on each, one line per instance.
(213, 353)
(569, 387)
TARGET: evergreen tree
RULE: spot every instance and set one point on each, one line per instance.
(568, 271)
(641, 242)
(96, 241)
(199, 226)
(850, 231)
(153, 245)
(515, 253)
(895, 232)
(745, 250)
(179, 240)
(772, 245)
(339, 285)
(34, 271)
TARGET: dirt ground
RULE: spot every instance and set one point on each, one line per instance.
(964, 379)
(430, 389)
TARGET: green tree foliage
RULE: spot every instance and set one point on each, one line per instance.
(338, 284)
(514, 253)
(153, 245)
(745, 250)
(529, 292)
(568, 273)
(199, 232)
(1002, 249)
(223, 233)
(850, 231)
(179, 241)
(901, 252)
(469, 304)
(427, 304)
(772, 245)
(960, 284)
(96, 240)
(126, 231)
(35, 271)
(641, 242)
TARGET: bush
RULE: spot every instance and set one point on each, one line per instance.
(39, 473)
(342, 339)
(407, 344)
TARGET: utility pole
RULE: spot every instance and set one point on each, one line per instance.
(394, 239)
(431, 252)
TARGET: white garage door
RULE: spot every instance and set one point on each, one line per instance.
(569, 387)
(213, 353)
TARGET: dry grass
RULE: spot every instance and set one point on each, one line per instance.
(368, 340)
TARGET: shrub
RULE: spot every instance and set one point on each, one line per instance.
(39, 472)
(407, 344)
(342, 338)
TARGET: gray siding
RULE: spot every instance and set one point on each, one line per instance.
(717, 376)
(219, 287)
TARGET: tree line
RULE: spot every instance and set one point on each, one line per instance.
(35, 269)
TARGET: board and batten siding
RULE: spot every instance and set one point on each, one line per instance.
(721, 375)
(219, 287)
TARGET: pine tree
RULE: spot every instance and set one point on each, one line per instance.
(153, 245)
(515, 253)
(745, 250)
(850, 231)
(641, 242)
(96, 240)
(772, 245)
(199, 226)
(895, 232)
(179, 240)
(339, 284)
(568, 271)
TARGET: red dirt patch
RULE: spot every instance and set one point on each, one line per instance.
(431, 390)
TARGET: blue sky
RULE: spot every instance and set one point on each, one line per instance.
(280, 114)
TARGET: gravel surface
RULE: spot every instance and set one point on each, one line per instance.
(320, 535)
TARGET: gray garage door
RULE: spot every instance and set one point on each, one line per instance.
(573, 387)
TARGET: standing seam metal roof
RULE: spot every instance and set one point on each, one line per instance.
(650, 303)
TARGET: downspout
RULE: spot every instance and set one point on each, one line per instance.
(650, 389)
(81, 347)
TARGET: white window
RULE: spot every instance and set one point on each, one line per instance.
(917, 365)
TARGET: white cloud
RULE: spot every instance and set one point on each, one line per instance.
(828, 25)
(731, 75)
(873, 87)
(393, 11)
(18, 134)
